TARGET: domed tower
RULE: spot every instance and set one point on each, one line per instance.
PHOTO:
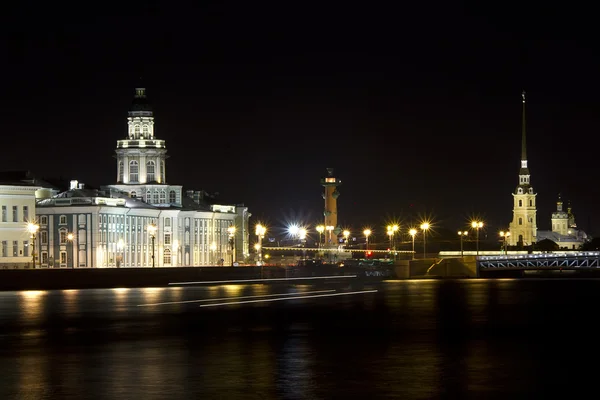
(560, 218)
(140, 157)
(330, 183)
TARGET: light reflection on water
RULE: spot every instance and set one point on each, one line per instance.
(413, 339)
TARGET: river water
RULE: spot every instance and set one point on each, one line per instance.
(416, 339)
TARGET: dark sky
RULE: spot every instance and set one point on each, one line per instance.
(416, 107)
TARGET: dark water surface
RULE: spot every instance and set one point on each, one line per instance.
(478, 339)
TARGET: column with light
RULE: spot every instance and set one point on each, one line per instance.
(70, 238)
(477, 225)
(504, 236)
(462, 234)
(302, 236)
(260, 233)
(367, 233)
(346, 234)
(413, 233)
(32, 229)
(425, 227)
(152, 232)
(231, 232)
(120, 248)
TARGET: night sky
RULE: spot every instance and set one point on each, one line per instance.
(417, 108)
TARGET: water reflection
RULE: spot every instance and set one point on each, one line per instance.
(31, 304)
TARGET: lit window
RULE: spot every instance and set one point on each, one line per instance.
(133, 171)
(167, 257)
(150, 174)
(172, 197)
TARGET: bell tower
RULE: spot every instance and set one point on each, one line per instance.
(523, 228)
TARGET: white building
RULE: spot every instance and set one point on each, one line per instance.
(17, 205)
(112, 226)
(523, 228)
(564, 230)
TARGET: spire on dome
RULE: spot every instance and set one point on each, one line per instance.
(523, 133)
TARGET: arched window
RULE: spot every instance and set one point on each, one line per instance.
(167, 257)
(121, 171)
(520, 203)
(155, 201)
(149, 196)
(163, 196)
(530, 203)
(150, 168)
(520, 221)
(145, 130)
(136, 130)
(133, 171)
(63, 236)
(172, 197)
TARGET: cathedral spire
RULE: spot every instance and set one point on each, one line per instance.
(523, 133)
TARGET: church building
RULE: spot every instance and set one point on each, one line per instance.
(523, 228)
(141, 220)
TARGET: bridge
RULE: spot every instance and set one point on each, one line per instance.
(558, 261)
(340, 249)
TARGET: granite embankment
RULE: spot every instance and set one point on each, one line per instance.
(49, 279)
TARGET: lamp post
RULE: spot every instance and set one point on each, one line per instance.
(346, 234)
(462, 234)
(329, 230)
(152, 231)
(320, 229)
(231, 232)
(504, 236)
(120, 247)
(213, 249)
(413, 233)
(390, 234)
(302, 236)
(425, 227)
(70, 238)
(33, 228)
(477, 225)
(367, 233)
(260, 232)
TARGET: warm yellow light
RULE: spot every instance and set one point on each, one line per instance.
(507, 234)
(267, 256)
(260, 230)
(346, 234)
(213, 246)
(257, 246)
(32, 228)
(320, 228)
(70, 236)
(329, 228)
(425, 226)
(367, 232)
(293, 229)
(231, 230)
(477, 224)
(120, 243)
(395, 228)
(302, 233)
(152, 229)
(412, 232)
(463, 233)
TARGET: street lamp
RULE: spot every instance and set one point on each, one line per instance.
(425, 227)
(413, 233)
(260, 232)
(152, 231)
(390, 234)
(231, 232)
(477, 225)
(462, 234)
(70, 238)
(120, 246)
(33, 228)
(320, 229)
(505, 236)
(346, 234)
(395, 229)
(302, 236)
(367, 233)
(329, 229)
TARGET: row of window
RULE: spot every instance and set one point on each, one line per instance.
(62, 220)
(521, 203)
(134, 171)
(160, 196)
(15, 214)
(15, 249)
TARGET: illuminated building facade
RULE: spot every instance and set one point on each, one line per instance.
(141, 216)
(564, 229)
(17, 205)
(523, 227)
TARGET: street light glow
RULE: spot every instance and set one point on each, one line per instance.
(320, 228)
(293, 229)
